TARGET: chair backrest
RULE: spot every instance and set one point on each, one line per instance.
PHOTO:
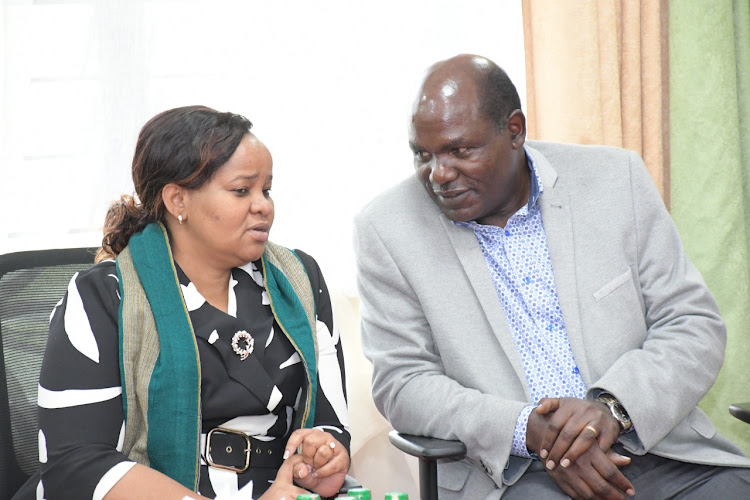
(31, 283)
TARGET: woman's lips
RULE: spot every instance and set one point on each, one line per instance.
(260, 231)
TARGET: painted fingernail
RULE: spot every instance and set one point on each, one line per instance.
(550, 464)
(286, 454)
(543, 453)
(565, 462)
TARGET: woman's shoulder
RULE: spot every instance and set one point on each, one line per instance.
(309, 263)
(98, 282)
(99, 271)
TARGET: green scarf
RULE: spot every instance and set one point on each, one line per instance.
(159, 362)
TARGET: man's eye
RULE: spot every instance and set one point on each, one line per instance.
(461, 151)
(267, 192)
(422, 155)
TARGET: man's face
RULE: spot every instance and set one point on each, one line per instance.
(468, 168)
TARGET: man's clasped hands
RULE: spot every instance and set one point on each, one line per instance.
(574, 438)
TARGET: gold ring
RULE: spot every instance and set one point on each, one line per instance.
(592, 429)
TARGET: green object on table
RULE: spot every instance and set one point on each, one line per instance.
(361, 493)
(397, 495)
(308, 496)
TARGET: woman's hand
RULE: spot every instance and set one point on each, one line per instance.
(283, 488)
(325, 461)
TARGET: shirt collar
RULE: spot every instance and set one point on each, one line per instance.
(536, 182)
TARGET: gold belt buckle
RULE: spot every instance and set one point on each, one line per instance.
(211, 463)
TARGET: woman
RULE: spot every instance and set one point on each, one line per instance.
(194, 338)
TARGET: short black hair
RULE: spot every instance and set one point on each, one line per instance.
(498, 97)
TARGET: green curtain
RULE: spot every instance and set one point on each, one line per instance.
(709, 87)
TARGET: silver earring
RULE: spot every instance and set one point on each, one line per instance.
(179, 218)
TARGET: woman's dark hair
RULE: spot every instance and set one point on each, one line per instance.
(185, 146)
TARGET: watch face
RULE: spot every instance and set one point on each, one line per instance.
(618, 411)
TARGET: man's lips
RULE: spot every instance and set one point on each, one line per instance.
(451, 198)
(450, 193)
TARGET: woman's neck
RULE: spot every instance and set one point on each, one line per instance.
(211, 281)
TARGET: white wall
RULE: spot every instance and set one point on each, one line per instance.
(328, 85)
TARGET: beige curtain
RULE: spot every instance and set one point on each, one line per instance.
(597, 73)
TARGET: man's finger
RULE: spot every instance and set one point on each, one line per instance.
(609, 471)
(585, 439)
(547, 405)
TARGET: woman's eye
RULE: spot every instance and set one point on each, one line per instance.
(267, 192)
(240, 191)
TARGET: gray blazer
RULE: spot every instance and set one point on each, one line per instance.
(641, 322)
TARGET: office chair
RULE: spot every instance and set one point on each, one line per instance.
(428, 450)
(31, 283)
(741, 411)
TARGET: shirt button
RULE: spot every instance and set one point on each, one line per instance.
(527, 280)
(550, 327)
(576, 370)
(507, 233)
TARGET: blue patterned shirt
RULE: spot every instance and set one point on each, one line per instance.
(518, 260)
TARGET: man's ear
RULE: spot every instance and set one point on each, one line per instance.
(516, 126)
(174, 198)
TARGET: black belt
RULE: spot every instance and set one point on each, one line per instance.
(236, 451)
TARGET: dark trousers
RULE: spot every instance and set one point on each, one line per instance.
(654, 478)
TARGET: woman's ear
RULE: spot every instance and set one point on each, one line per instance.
(174, 201)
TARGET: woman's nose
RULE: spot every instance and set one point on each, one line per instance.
(261, 205)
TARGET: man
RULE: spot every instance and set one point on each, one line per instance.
(534, 301)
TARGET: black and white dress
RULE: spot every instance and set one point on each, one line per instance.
(80, 395)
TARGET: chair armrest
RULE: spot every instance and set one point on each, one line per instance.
(427, 448)
(741, 411)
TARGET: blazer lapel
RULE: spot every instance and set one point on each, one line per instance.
(472, 260)
(558, 227)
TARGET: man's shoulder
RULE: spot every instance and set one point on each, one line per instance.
(563, 150)
(575, 165)
(406, 197)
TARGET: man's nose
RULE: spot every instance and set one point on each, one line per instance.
(441, 172)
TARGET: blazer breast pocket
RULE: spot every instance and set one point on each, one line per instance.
(613, 285)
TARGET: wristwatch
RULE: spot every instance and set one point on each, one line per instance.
(617, 410)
